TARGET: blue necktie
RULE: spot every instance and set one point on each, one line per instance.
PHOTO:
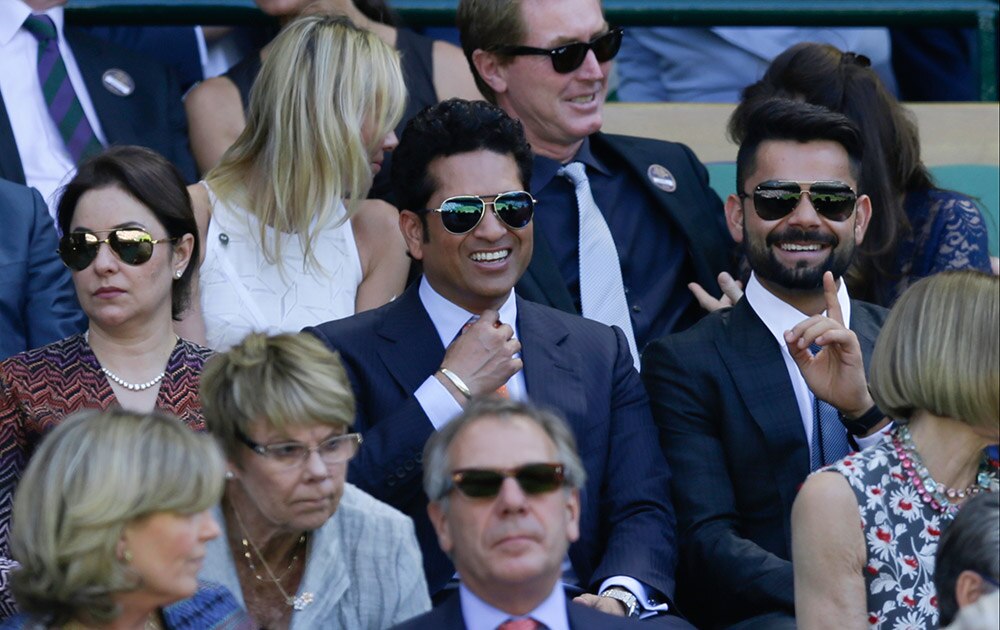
(829, 442)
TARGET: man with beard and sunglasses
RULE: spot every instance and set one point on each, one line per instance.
(629, 222)
(459, 174)
(754, 397)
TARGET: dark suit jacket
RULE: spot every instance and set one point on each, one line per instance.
(37, 300)
(578, 367)
(732, 432)
(694, 210)
(448, 616)
(152, 116)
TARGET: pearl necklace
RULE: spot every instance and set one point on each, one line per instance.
(299, 602)
(134, 387)
(939, 497)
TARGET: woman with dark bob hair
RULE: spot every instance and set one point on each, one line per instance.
(111, 523)
(129, 237)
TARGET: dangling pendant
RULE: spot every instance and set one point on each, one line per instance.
(299, 602)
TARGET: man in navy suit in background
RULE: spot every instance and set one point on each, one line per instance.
(460, 173)
(746, 408)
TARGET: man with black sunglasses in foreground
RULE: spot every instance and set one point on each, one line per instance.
(754, 397)
(628, 222)
(459, 173)
(504, 479)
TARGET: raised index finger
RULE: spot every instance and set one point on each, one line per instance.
(830, 294)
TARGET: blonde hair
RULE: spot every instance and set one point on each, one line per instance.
(324, 88)
(284, 380)
(93, 475)
(939, 350)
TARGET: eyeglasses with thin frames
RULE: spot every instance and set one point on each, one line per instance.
(335, 450)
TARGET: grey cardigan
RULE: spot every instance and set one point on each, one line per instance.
(364, 567)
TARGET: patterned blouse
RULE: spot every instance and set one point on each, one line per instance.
(901, 537)
(40, 387)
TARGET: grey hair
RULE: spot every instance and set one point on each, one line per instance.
(437, 464)
(970, 543)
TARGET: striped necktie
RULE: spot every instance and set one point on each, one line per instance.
(829, 442)
(60, 98)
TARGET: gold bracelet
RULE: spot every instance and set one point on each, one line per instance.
(457, 382)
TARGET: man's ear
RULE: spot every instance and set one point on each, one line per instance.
(862, 217)
(439, 519)
(734, 217)
(490, 70)
(573, 513)
(413, 233)
(968, 588)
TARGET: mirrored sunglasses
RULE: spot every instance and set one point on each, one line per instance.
(463, 213)
(568, 58)
(133, 246)
(485, 483)
(774, 200)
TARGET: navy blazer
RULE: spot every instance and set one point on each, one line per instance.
(731, 429)
(152, 116)
(693, 208)
(37, 300)
(448, 616)
(578, 367)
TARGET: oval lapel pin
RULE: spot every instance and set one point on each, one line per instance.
(118, 82)
(662, 178)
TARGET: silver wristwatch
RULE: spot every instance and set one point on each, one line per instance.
(625, 597)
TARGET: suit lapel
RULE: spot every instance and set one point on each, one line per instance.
(10, 160)
(409, 345)
(542, 282)
(111, 109)
(551, 374)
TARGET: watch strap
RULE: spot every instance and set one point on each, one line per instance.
(863, 423)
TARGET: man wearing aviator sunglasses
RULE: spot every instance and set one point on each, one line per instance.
(460, 176)
(627, 222)
(746, 407)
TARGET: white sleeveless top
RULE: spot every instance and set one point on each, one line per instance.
(241, 292)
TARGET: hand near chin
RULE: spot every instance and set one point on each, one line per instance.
(482, 356)
(608, 605)
(836, 373)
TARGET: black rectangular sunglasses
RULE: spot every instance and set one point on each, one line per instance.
(484, 483)
(134, 246)
(567, 58)
(463, 213)
(776, 199)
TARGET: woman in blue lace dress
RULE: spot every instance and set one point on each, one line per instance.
(936, 369)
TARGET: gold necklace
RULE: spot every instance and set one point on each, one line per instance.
(299, 602)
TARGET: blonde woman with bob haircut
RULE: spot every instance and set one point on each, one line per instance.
(301, 547)
(110, 525)
(936, 370)
(290, 239)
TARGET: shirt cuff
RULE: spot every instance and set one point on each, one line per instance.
(437, 402)
(649, 605)
(874, 438)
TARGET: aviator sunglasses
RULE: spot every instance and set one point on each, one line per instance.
(569, 57)
(484, 483)
(133, 246)
(775, 200)
(463, 213)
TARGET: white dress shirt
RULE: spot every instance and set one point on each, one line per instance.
(45, 159)
(478, 615)
(779, 316)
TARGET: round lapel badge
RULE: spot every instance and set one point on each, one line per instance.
(662, 178)
(118, 82)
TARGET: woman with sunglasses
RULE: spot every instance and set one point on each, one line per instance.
(128, 237)
(936, 370)
(301, 548)
(290, 240)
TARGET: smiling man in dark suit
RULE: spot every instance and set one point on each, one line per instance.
(745, 407)
(460, 173)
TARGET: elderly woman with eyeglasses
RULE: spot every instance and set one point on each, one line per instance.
(128, 236)
(301, 548)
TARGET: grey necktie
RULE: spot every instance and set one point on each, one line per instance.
(829, 442)
(602, 292)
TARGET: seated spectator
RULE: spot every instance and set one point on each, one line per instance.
(917, 229)
(714, 64)
(460, 331)
(290, 240)
(936, 368)
(300, 547)
(504, 481)
(432, 70)
(106, 95)
(37, 303)
(967, 565)
(128, 237)
(110, 526)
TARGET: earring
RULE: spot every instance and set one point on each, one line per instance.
(178, 274)
(127, 556)
(230, 475)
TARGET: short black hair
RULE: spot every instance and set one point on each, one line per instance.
(785, 119)
(448, 128)
(971, 542)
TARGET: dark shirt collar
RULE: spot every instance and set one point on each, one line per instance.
(544, 169)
